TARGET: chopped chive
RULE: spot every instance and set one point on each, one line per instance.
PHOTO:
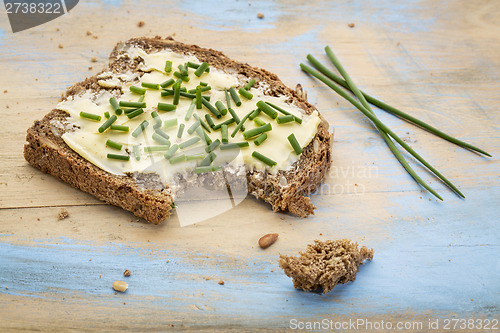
(267, 109)
(189, 142)
(141, 99)
(170, 123)
(167, 92)
(208, 159)
(256, 131)
(213, 146)
(106, 115)
(199, 156)
(261, 138)
(156, 117)
(177, 159)
(160, 139)
(132, 104)
(183, 70)
(240, 125)
(203, 124)
(137, 154)
(234, 115)
(285, 119)
(207, 139)
(184, 78)
(150, 149)
(113, 144)
(295, 144)
(166, 107)
(192, 65)
(135, 113)
(234, 96)
(168, 66)
(119, 128)
(201, 69)
(177, 92)
(167, 83)
(90, 116)
(259, 122)
(211, 108)
(171, 151)
(205, 169)
(115, 106)
(254, 114)
(189, 111)
(286, 113)
(209, 120)
(140, 128)
(137, 90)
(193, 127)
(221, 108)
(234, 145)
(155, 86)
(170, 92)
(161, 133)
(203, 84)
(127, 111)
(183, 89)
(224, 133)
(203, 89)
(107, 123)
(180, 130)
(249, 84)
(245, 93)
(263, 158)
(227, 122)
(199, 101)
(119, 157)
(228, 99)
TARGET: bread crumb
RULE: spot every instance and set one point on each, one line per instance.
(60, 46)
(351, 25)
(325, 264)
(260, 15)
(221, 282)
(63, 213)
(93, 59)
(126, 273)
(5, 91)
(89, 33)
(140, 24)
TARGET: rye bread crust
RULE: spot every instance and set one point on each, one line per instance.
(285, 191)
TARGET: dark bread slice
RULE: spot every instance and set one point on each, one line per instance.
(144, 195)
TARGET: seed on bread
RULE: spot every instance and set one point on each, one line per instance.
(127, 273)
(268, 240)
(120, 286)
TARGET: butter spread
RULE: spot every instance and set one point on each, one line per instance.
(91, 145)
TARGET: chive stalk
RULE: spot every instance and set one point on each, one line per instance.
(137, 90)
(171, 151)
(121, 128)
(198, 98)
(295, 144)
(193, 127)
(261, 138)
(106, 115)
(227, 122)
(264, 159)
(140, 128)
(221, 108)
(228, 99)
(168, 66)
(180, 130)
(90, 116)
(107, 123)
(203, 89)
(234, 145)
(208, 159)
(213, 146)
(209, 120)
(160, 139)
(206, 169)
(285, 119)
(258, 121)
(234, 96)
(189, 111)
(201, 69)
(167, 83)
(267, 109)
(254, 114)
(248, 134)
(115, 106)
(184, 78)
(151, 149)
(285, 112)
(119, 157)
(137, 154)
(170, 123)
(161, 133)
(224, 133)
(132, 104)
(199, 156)
(240, 125)
(245, 93)
(234, 115)
(154, 86)
(211, 108)
(203, 124)
(177, 92)
(166, 107)
(177, 159)
(135, 113)
(249, 84)
(114, 144)
(188, 143)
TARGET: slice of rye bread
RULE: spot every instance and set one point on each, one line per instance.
(46, 150)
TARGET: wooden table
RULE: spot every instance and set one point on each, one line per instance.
(433, 260)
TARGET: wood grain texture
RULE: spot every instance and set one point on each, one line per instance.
(436, 60)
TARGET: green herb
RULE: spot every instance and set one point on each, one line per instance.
(221, 108)
(213, 146)
(107, 123)
(150, 149)
(205, 126)
(184, 78)
(177, 159)
(234, 96)
(192, 65)
(180, 130)
(119, 157)
(170, 123)
(115, 106)
(256, 131)
(228, 98)
(106, 115)
(203, 84)
(171, 151)
(210, 108)
(234, 115)
(183, 70)
(259, 122)
(295, 144)
(286, 113)
(201, 69)
(155, 86)
(160, 139)
(140, 128)
(135, 113)
(195, 157)
(168, 66)
(119, 128)
(208, 159)
(137, 90)
(285, 119)
(137, 154)
(249, 84)
(261, 138)
(189, 111)
(227, 122)
(156, 117)
(141, 99)
(263, 158)
(113, 144)
(166, 107)
(205, 169)
(161, 133)
(267, 109)
(209, 120)
(203, 89)
(199, 101)
(207, 139)
(167, 83)
(193, 127)
(224, 133)
(234, 145)
(240, 125)
(132, 104)
(90, 116)
(245, 93)
(177, 92)
(188, 143)
(254, 114)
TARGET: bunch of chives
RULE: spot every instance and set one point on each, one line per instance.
(329, 78)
